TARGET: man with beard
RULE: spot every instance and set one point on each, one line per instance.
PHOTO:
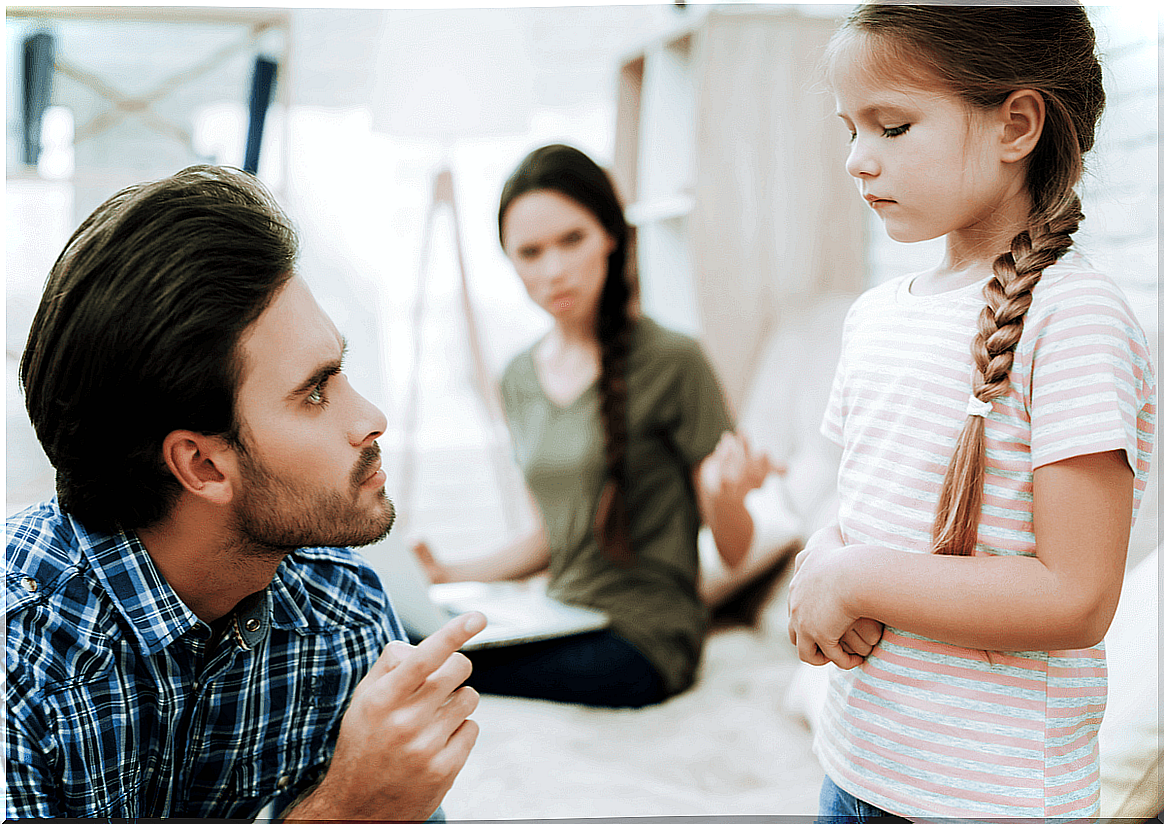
(187, 632)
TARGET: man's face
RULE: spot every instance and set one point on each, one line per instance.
(310, 468)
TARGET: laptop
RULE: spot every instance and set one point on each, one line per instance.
(518, 611)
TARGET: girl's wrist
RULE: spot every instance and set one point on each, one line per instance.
(851, 565)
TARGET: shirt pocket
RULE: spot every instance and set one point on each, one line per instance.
(296, 751)
(100, 762)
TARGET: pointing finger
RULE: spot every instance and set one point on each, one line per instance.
(433, 651)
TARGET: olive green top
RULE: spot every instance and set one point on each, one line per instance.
(676, 413)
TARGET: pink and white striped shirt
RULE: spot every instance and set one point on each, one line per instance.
(922, 727)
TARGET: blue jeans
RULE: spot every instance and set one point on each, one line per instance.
(595, 668)
(840, 807)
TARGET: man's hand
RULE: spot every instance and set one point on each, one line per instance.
(406, 734)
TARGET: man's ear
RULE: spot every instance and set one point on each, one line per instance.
(1022, 116)
(204, 464)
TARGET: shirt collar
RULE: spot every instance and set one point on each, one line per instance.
(135, 584)
(290, 608)
(159, 616)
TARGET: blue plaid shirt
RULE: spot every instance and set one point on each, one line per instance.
(122, 703)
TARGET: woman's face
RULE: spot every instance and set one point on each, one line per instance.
(560, 252)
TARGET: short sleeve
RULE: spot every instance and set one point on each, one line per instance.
(703, 413)
(833, 421)
(1089, 385)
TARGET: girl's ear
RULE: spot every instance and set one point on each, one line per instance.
(1021, 116)
(205, 465)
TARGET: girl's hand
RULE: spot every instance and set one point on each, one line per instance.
(436, 571)
(820, 623)
(862, 636)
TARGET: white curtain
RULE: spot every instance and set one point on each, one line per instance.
(776, 221)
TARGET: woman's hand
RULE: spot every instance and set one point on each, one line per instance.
(722, 480)
(820, 624)
(732, 470)
(437, 572)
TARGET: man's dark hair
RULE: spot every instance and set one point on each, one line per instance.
(138, 332)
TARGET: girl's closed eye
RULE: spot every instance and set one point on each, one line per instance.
(887, 131)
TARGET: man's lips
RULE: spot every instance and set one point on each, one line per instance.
(873, 200)
(368, 467)
(375, 471)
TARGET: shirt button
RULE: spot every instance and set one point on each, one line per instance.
(252, 624)
(28, 583)
(284, 782)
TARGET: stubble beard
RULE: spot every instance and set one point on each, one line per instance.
(277, 516)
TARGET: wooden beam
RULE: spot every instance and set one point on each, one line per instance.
(259, 17)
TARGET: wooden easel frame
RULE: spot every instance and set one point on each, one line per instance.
(443, 197)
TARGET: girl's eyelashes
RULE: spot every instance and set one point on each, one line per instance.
(888, 131)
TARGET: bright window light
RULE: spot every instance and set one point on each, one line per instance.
(56, 160)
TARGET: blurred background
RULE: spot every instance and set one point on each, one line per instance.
(387, 133)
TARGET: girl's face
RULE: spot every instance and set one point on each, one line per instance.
(560, 252)
(927, 163)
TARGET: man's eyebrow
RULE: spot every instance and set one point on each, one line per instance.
(325, 371)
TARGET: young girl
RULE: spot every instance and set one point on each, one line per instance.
(997, 415)
(623, 435)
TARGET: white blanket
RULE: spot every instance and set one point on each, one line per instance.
(724, 747)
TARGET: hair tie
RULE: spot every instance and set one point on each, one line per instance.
(981, 408)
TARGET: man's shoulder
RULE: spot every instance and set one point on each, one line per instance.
(42, 549)
(53, 626)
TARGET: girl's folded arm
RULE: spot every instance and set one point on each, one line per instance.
(1063, 598)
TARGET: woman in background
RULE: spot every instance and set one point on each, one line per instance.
(624, 438)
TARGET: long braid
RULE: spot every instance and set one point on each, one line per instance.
(612, 518)
(1049, 48)
(1000, 325)
(570, 172)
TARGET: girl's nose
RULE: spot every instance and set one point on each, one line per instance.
(861, 161)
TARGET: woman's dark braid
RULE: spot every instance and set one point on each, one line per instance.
(612, 520)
